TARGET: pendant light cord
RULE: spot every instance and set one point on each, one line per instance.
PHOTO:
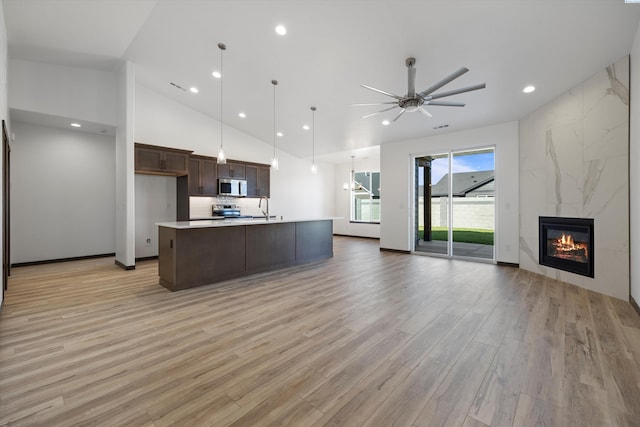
(274, 82)
(313, 135)
(222, 48)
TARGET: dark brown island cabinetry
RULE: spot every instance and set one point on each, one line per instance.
(156, 160)
(232, 169)
(191, 256)
(203, 176)
(258, 180)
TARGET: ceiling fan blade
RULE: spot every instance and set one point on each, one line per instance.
(456, 91)
(382, 92)
(399, 114)
(412, 81)
(444, 81)
(375, 103)
(445, 103)
(425, 112)
(378, 112)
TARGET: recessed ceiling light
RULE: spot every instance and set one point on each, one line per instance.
(76, 125)
(385, 123)
(529, 89)
(216, 74)
(242, 115)
(280, 29)
(279, 134)
(305, 127)
(193, 89)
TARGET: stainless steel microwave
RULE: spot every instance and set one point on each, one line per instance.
(232, 187)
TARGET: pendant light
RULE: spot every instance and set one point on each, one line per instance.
(274, 161)
(222, 159)
(314, 169)
(350, 185)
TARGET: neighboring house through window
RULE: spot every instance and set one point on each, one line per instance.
(365, 197)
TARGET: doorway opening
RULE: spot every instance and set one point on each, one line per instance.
(455, 204)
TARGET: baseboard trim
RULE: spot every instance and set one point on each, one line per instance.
(125, 267)
(147, 258)
(361, 237)
(634, 304)
(53, 261)
(398, 251)
(508, 264)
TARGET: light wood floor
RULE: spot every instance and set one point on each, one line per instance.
(366, 338)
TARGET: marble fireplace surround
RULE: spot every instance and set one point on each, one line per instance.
(574, 162)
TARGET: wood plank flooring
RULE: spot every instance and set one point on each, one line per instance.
(367, 338)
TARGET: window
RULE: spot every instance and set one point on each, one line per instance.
(365, 196)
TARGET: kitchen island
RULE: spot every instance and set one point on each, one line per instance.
(197, 253)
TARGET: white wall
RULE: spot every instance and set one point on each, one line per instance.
(634, 173)
(397, 175)
(79, 93)
(62, 193)
(155, 202)
(124, 168)
(4, 109)
(343, 200)
(295, 192)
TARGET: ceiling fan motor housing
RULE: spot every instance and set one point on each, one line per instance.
(411, 104)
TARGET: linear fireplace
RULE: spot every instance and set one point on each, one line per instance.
(567, 244)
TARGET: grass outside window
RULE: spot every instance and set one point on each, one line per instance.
(461, 235)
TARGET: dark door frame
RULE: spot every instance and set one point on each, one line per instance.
(6, 188)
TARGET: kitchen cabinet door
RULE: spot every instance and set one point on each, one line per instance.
(258, 180)
(209, 177)
(203, 177)
(148, 159)
(152, 159)
(264, 181)
(194, 176)
(231, 169)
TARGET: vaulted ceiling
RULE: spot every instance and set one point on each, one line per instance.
(330, 49)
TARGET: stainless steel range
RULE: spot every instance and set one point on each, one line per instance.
(228, 211)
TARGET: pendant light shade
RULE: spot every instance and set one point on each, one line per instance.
(314, 168)
(222, 158)
(274, 161)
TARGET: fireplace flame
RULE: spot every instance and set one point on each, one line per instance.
(566, 244)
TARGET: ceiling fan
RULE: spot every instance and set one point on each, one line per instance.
(415, 101)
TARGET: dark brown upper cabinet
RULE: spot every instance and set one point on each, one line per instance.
(232, 169)
(258, 180)
(156, 160)
(203, 176)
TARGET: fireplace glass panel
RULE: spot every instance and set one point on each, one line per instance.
(567, 244)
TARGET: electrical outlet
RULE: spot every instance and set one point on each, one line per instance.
(148, 242)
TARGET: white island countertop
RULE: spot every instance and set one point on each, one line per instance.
(236, 222)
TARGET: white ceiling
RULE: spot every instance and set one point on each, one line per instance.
(332, 47)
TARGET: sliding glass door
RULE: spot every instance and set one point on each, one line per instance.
(455, 203)
(432, 204)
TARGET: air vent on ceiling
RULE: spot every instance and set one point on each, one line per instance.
(177, 86)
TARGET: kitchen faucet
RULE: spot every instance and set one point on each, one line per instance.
(266, 214)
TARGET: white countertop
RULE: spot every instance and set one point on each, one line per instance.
(235, 222)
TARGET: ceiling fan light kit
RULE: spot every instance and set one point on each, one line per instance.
(416, 101)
